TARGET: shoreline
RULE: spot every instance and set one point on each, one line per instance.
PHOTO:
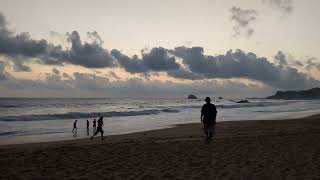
(240, 150)
(143, 135)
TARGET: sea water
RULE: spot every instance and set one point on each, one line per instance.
(26, 120)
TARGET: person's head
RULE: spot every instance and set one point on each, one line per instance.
(208, 100)
(76, 120)
(101, 117)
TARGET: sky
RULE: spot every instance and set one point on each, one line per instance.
(149, 48)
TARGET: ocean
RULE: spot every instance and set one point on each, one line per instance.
(26, 120)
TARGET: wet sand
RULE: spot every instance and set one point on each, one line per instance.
(279, 149)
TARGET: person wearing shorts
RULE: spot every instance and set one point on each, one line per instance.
(208, 118)
(99, 128)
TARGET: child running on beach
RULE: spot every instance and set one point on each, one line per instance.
(75, 126)
(99, 128)
(208, 118)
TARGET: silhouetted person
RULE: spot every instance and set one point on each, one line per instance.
(75, 126)
(87, 127)
(99, 128)
(94, 125)
(208, 118)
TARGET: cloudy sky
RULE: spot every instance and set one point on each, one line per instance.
(152, 48)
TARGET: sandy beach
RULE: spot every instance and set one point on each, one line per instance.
(278, 149)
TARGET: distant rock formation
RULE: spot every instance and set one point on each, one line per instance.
(310, 94)
(220, 97)
(191, 96)
(243, 101)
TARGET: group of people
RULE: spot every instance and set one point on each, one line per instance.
(208, 119)
(96, 129)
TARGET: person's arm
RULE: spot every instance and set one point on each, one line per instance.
(215, 114)
(201, 117)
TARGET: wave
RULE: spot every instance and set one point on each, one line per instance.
(80, 115)
(155, 110)
(253, 104)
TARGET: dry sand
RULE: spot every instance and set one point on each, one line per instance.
(286, 149)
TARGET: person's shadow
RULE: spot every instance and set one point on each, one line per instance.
(75, 134)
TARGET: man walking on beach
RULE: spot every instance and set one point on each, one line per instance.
(208, 118)
(99, 128)
(75, 126)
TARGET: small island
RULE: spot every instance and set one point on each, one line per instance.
(309, 94)
(191, 96)
(243, 101)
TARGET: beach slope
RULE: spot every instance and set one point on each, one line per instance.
(281, 149)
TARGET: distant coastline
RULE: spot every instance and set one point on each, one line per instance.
(310, 94)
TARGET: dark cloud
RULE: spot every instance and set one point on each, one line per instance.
(2, 65)
(238, 64)
(156, 60)
(21, 67)
(91, 55)
(312, 63)
(243, 19)
(95, 37)
(196, 65)
(56, 71)
(185, 74)
(285, 6)
(3, 74)
(280, 59)
(297, 63)
(66, 76)
(113, 75)
(130, 64)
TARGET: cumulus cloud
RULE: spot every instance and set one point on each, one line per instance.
(312, 63)
(91, 55)
(280, 59)
(238, 64)
(2, 75)
(95, 37)
(156, 60)
(285, 6)
(195, 64)
(242, 19)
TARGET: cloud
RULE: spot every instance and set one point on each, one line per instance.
(285, 6)
(56, 71)
(21, 67)
(312, 63)
(195, 64)
(91, 85)
(185, 74)
(2, 75)
(243, 19)
(157, 60)
(95, 37)
(90, 55)
(280, 59)
(238, 64)
(113, 75)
